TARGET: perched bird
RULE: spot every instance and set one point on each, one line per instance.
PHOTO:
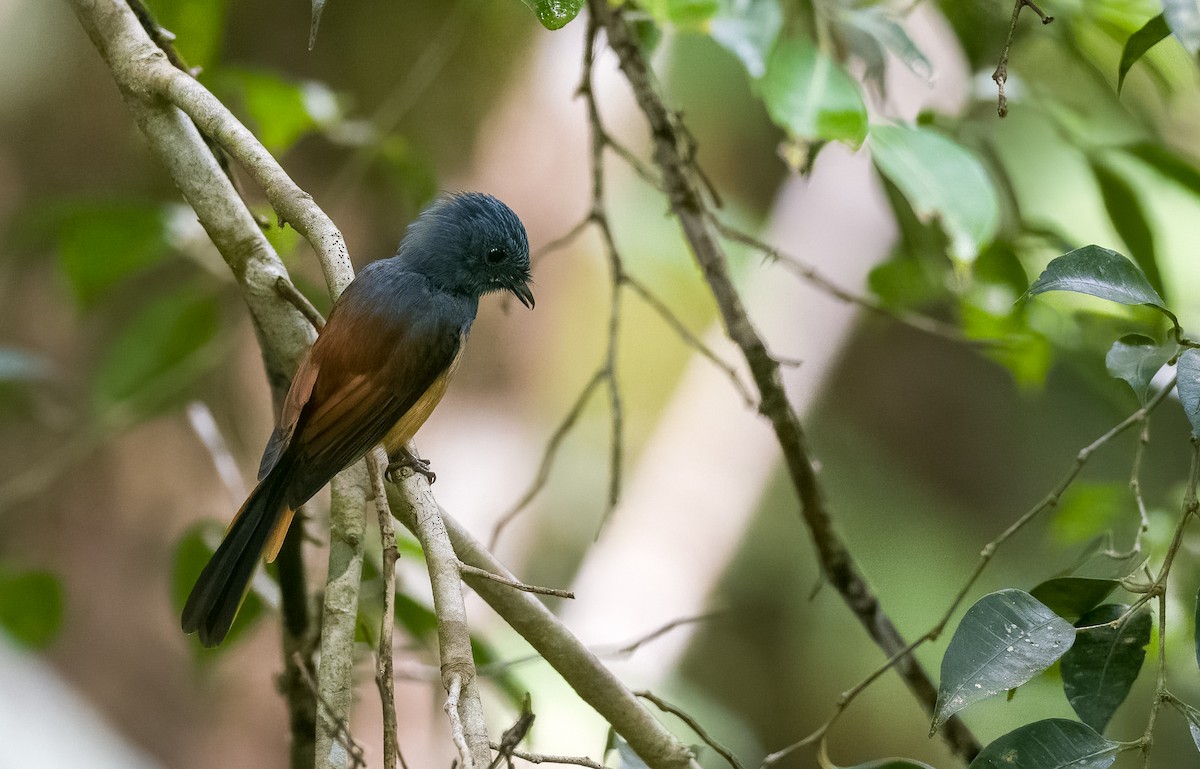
(376, 371)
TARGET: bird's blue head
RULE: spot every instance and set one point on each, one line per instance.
(472, 244)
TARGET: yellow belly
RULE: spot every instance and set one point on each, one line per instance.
(407, 427)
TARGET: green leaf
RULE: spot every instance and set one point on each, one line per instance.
(1193, 719)
(1167, 163)
(555, 14)
(1005, 639)
(1128, 217)
(943, 181)
(892, 763)
(157, 355)
(1090, 580)
(31, 607)
(198, 26)
(1103, 273)
(1151, 33)
(1100, 668)
(1183, 17)
(748, 29)
(101, 243)
(1196, 633)
(1055, 743)
(192, 553)
(811, 97)
(1187, 369)
(1136, 359)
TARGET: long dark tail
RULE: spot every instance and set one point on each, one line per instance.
(218, 592)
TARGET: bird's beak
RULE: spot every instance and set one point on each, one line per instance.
(522, 292)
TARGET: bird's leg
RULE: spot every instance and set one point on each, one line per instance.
(402, 458)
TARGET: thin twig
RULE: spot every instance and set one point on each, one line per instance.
(513, 735)
(653, 635)
(546, 758)
(548, 456)
(561, 241)
(556, 592)
(384, 675)
(288, 291)
(695, 726)
(1001, 73)
(690, 339)
(809, 273)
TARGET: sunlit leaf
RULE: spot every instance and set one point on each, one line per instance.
(1102, 665)
(102, 242)
(1136, 359)
(1005, 639)
(811, 96)
(1090, 580)
(1128, 216)
(157, 355)
(748, 28)
(192, 553)
(1151, 33)
(1187, 368)
(943, 181)
(1055, 743)
(1103, 273)
(1086, 509)
(1183, 17)
(31, 606)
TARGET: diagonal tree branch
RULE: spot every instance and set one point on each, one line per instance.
(683, 189)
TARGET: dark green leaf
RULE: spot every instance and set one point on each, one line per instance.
(1196, 632)
(810, 96)
(1004, 640)
(157, 355)
(31, 607)
(1128, 217)
(197, 25)
(21, 366)
(1167, 163)
(191, 554)
(1139, 42)
(1103, 273)
(555, 14)
(943, 181)
(748, 28)
(1187, 368)
(1183, 17)
(892, 763)
(1055, 743)
(1089, 581)
(100, 243)
(1136, 359)
(1101, 667)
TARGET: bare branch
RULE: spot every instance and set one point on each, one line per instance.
(384, 675)
(1001, 73)
(695, 726)
(545, 758)
(288, 291)
(469, 569)
(453, 691)
(340, 728)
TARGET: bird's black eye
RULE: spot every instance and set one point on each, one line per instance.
(496, 255)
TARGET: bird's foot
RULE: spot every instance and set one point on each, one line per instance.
(405, 459)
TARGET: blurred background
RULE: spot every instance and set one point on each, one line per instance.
(133, 405)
